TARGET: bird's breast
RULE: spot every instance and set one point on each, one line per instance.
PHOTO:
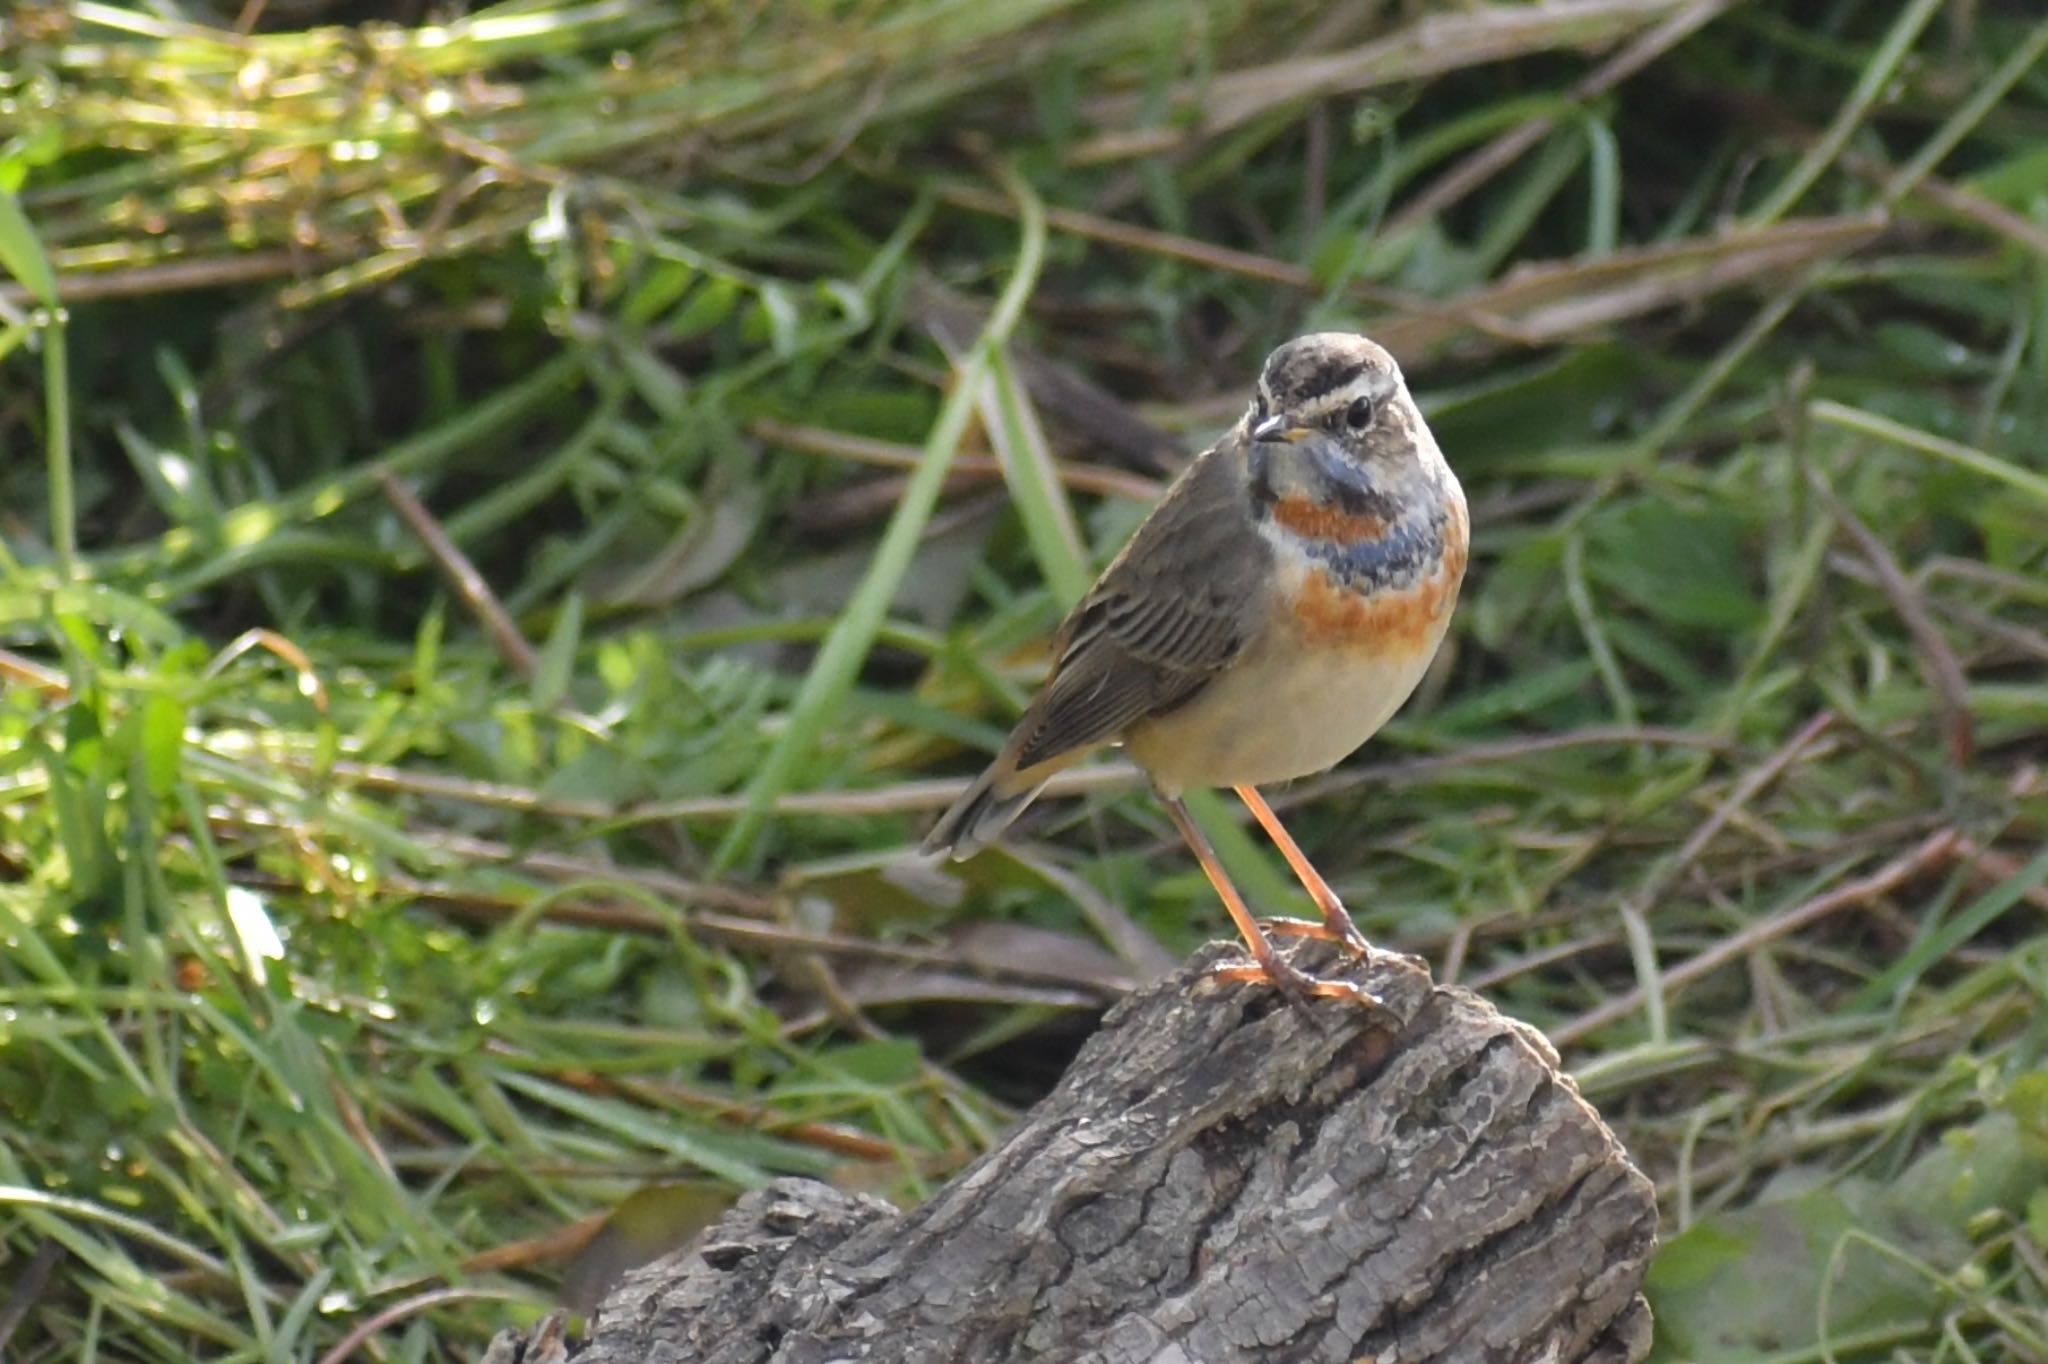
(1353, 628)
(1331, 611)
(1373, 588)
(1285, 709)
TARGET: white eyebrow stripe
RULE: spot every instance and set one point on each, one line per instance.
(1366, 385)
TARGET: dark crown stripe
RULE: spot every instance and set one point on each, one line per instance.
(1336, 380)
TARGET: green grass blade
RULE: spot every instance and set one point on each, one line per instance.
(22, 256)
(1878, 73)
(1935, 947)
(1033, 477)
(1927, 443)
(844, 650)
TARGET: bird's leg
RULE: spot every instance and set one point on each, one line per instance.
(1269, 967)
(1336, 925)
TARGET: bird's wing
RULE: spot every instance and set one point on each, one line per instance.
(1178, 604)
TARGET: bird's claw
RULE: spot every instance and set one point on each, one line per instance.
(1345, 936)
(1298, 985)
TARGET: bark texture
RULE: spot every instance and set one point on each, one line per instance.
(1221, 1178)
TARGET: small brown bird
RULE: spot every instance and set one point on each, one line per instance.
(1274, 610)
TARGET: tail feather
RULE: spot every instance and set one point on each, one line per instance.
(983, 811)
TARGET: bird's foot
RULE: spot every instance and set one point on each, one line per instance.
(1345, 934)
(1298, 986)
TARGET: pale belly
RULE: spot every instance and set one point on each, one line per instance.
(1283, 710)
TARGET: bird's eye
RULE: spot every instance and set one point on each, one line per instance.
(1359, 415)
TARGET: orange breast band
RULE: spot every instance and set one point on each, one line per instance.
(1386, 619)
(1319, 521)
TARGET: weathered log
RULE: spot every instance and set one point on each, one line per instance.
(1221, 1177)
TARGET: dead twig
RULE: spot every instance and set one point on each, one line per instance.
(1938, 663)
(1511, 146)
(754, 934)
(1439, 42)
(1746, 790)
(1937, 848)
(463, 576)
(26, 672)
(28, 1288)
(816, 440)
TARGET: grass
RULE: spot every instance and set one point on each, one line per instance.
(511, 529)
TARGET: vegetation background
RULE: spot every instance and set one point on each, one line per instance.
(515, 518)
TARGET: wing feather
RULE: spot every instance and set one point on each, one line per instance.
(1183, 599)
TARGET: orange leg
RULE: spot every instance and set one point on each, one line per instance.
(1336, 925)
(1269, 966)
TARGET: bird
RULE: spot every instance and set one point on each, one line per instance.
(1274, 609)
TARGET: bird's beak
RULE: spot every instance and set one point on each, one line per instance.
(1277, 427)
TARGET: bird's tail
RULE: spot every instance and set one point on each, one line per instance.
(983, 811)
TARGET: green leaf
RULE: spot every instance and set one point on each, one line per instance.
(665, 283)
(1856, 1247)
(21, 252)
(885, 1063)
(556, 665)
(709, 304)
(779, 314)
(1510, 418)
(2027, 1100)
(162, 739)
(1770, 1259)
(79, 832)
(1688, 567)
(716, 1154)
